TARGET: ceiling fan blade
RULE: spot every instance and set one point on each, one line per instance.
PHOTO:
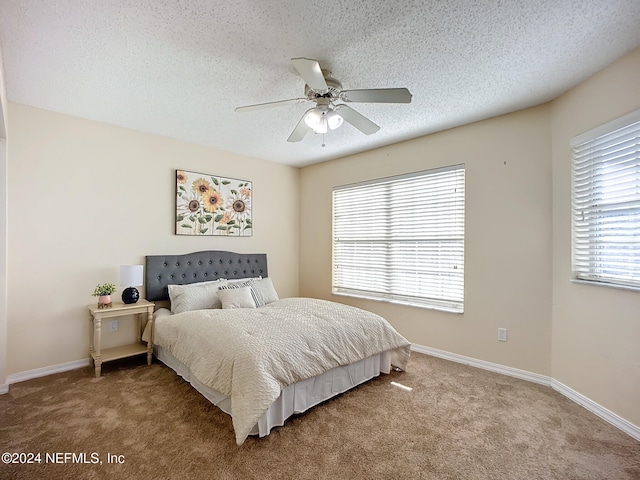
(377, 95)
(260, 106)
(356, 119)
(300, 131)
(311, 73)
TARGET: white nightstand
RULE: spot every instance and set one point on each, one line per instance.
(119, 309)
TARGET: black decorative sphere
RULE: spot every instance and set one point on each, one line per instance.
(130, 295)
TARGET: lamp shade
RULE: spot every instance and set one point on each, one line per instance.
(131, 275)
(334, 120)
(315, 120)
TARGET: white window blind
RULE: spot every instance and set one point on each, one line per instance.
(401, 239)
(606, 203)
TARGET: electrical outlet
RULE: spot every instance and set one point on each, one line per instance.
(114, 325)
(502, 334)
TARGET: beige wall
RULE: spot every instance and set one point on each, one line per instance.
(3, 231)
(507, 245)
(596, 330)
(3, 102)
(85, 197)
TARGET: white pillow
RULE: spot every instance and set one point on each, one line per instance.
(266, 290)
(257, 298)
(236, 298)
(195, 296)
(241, 280)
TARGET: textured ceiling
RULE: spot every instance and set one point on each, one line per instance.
(179, 68)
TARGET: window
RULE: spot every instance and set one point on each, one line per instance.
(606, 203)
(401, 239)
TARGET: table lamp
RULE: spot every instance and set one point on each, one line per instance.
(131, 275)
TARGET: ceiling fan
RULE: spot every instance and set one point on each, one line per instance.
(331, 110)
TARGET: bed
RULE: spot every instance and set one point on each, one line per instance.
(259, 358)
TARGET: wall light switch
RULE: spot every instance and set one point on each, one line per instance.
(114, 325)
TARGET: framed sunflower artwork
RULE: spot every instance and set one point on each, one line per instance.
(212, 205)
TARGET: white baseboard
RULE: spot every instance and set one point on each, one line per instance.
(44, 371)
(607, 415)
(4, 388)
(493, 367)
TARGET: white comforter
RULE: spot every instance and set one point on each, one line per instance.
(251, 354)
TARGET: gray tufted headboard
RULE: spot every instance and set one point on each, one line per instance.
(163, 270)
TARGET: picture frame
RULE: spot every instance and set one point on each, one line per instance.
(212, 205)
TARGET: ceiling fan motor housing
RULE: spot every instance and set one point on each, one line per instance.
(334, 87)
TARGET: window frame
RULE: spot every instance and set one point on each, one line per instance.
(388, 245)
(588, 267)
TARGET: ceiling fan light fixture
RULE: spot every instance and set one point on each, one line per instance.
(316, 120)
(321, 127)
(321, 119)
(313, 118)
(334, 120)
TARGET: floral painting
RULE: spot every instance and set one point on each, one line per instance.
(211, 205)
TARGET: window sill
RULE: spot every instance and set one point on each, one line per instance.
(604, 284)
(399, 302)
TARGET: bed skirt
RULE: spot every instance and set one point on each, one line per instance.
(295, 398)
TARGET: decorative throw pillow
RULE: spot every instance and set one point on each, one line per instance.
(266, 290)
(257, 298)
(195, 296)
(239, 297)
(242, 280)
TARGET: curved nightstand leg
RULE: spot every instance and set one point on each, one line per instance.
(91, 349)
(150, 342)
(97, 340)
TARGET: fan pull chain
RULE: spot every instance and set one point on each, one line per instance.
(323, 120)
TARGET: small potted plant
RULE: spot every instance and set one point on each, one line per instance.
(103, 292)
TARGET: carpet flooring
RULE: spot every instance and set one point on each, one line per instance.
(457, 422)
